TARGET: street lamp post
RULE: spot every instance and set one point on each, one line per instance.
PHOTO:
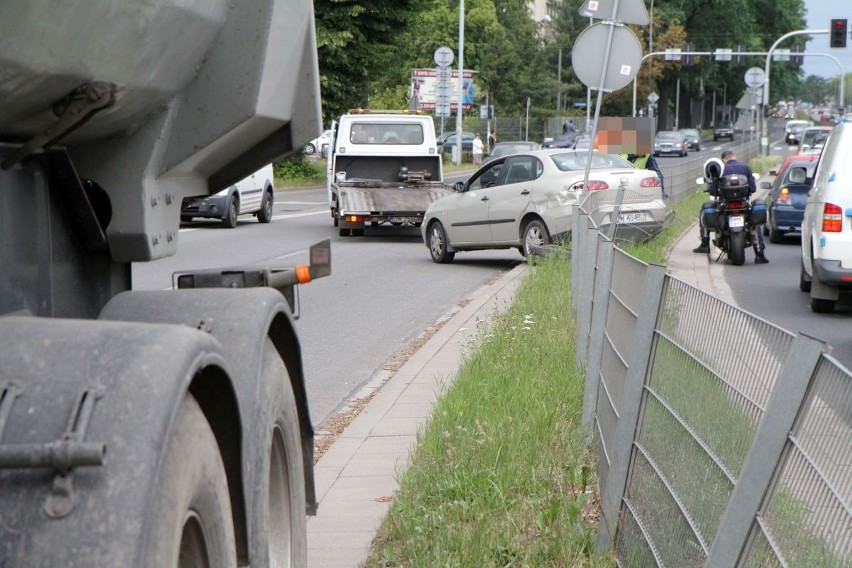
(461, 84)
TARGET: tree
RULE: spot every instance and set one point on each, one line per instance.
(355, 42)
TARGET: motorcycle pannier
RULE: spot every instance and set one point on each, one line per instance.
(733, 186)
(758, 212)
(710, 215)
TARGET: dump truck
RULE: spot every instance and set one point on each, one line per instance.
(148, 428)
(384, 168)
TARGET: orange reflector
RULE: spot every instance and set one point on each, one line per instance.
(303, 273)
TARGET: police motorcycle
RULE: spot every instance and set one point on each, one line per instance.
(733, 220)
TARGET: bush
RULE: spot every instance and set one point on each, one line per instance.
(299, 170)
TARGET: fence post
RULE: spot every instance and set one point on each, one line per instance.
(612, 488)
(598, 307)
(612, 230)
(765, 451)
(585, 283)
(578, 233)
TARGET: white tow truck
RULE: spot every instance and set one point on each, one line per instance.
(384, 167)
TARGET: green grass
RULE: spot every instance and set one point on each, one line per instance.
(503, 475)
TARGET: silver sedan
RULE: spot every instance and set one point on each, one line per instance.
(524, 201)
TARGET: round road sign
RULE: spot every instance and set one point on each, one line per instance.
(755, 77)
(444, 56)
(624, 60)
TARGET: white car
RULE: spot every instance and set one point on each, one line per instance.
(252, 195)
(827, 225)
(524, 201)
(317, 143)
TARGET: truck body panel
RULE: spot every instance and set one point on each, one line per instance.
(384, 168)
(112, 115)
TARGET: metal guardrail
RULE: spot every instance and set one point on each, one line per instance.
(723, 440)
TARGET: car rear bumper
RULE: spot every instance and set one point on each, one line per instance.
(831, 272)
(788, 219)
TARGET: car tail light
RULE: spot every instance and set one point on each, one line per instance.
(784, 196)
(595, 185)
(652, 181)
(832, 218)
(735, 205)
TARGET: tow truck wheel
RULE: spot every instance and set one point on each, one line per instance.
(191, 521)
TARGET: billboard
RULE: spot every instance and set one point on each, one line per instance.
(425, 89)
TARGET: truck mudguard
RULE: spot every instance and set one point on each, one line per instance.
(85, 410)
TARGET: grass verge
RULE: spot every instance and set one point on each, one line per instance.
(502, 476)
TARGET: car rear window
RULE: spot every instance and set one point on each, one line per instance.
(573, 161)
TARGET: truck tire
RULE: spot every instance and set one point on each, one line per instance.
(230, 218)
(264, 215)
(436, 240)
(344, 232)
(357, 232)
(191, 521)
(804, 279)
(280, 520)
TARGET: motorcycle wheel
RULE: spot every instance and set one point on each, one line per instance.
(737, 248)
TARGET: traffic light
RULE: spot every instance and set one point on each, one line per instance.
(837, 33)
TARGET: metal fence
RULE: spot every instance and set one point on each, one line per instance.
(722, 439)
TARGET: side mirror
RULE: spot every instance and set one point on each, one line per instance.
(765, 185)
(325, 150)
(459, 186)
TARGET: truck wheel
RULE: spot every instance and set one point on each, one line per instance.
(191, 521)
(436, 240)
(357, 232)
(264, 215)
(279, 533)
(230, 220)
(535, 235)
(344, 232)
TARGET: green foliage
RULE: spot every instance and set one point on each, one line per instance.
(299, 170)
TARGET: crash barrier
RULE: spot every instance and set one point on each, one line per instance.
(722, 439)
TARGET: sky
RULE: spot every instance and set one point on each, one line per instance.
(818, 17)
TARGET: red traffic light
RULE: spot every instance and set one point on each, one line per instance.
(837, 33)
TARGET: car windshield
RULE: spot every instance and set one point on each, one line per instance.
(573, 161)
(809, 168)
(669, 136)
(724, 125)
(692, 133)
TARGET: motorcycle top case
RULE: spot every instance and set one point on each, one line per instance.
(732, 187)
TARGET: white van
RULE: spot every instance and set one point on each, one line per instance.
(253, 195)
(827, 226)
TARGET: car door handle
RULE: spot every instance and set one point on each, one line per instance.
(525, 192)
(484, 198)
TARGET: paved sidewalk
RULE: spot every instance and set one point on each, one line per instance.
(356, 479)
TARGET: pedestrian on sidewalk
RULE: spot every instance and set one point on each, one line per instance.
(477, 149)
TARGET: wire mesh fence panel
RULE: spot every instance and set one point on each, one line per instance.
(807, 517)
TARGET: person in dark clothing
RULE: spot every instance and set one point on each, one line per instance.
(734, 166)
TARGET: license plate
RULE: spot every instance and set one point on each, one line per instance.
(403, 219)
(736, 221)
(637, 217)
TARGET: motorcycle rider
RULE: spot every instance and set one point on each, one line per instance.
(734, 166)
